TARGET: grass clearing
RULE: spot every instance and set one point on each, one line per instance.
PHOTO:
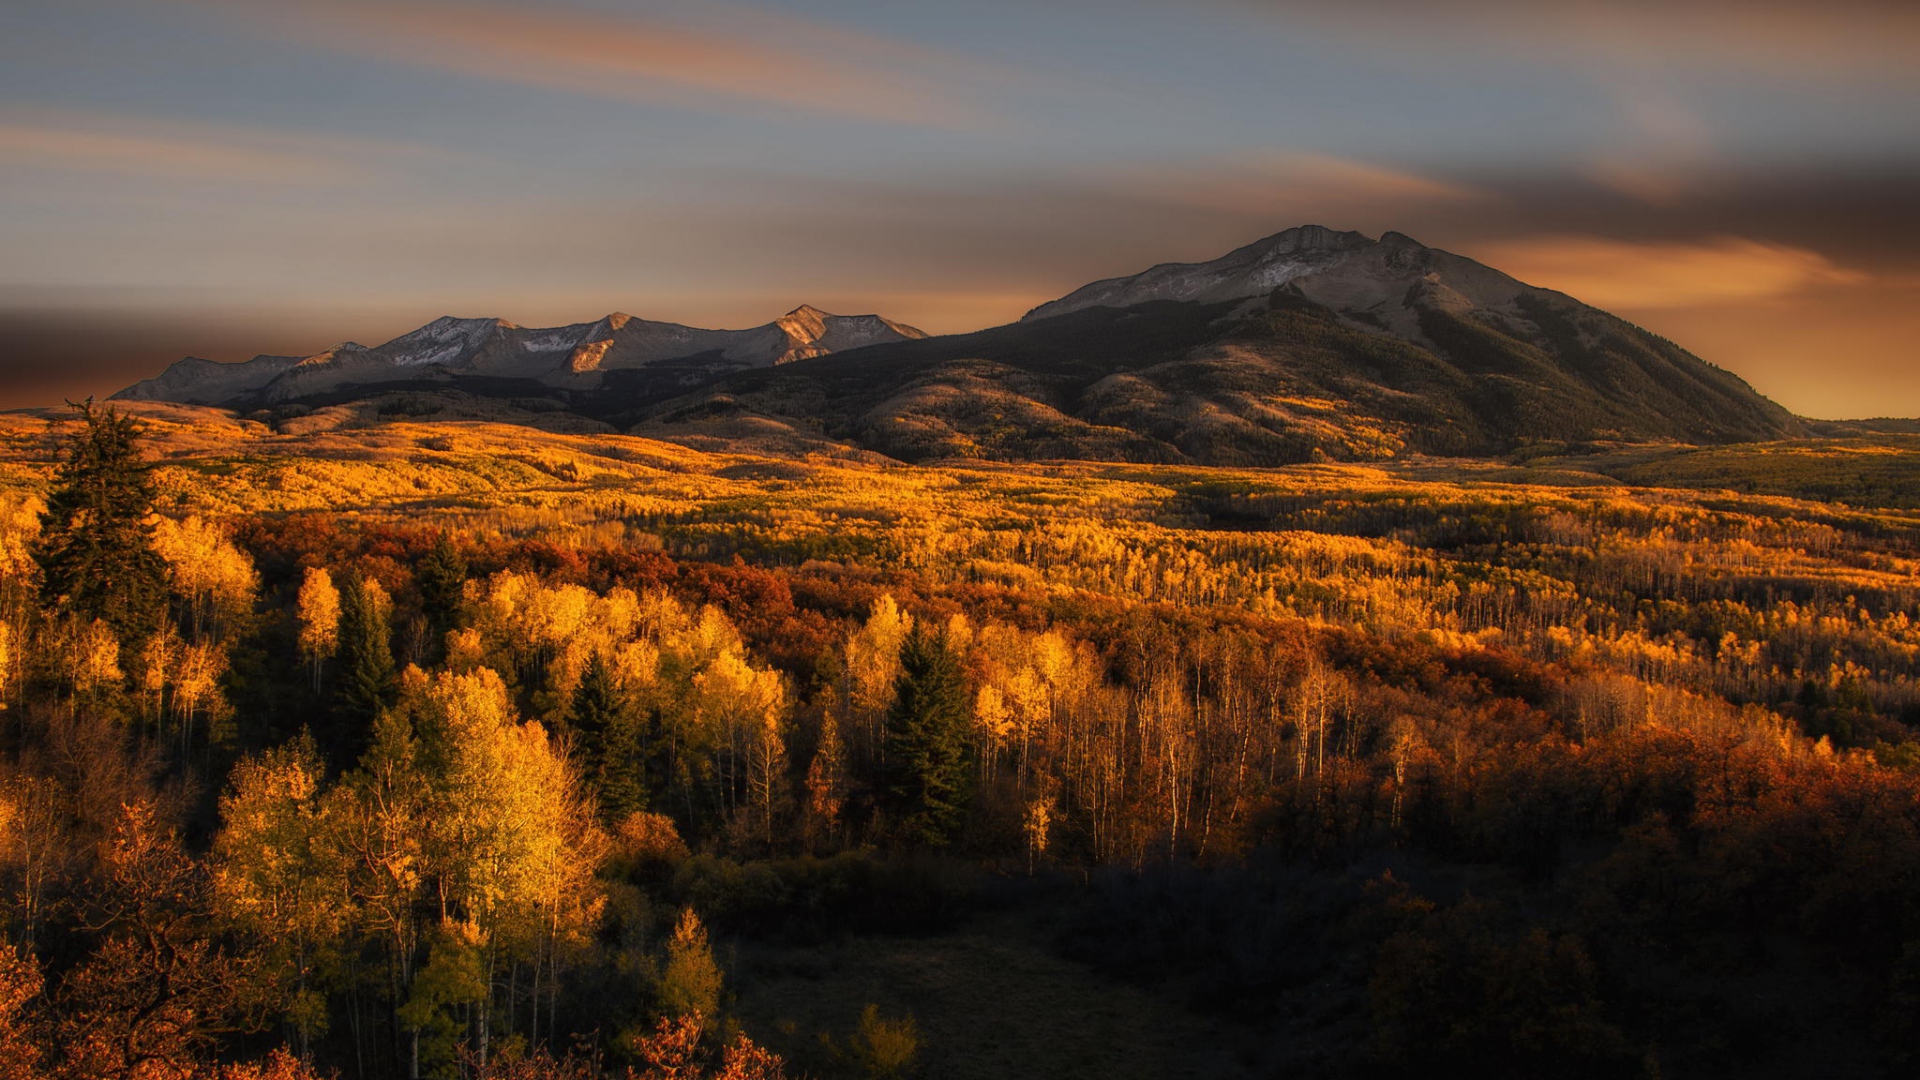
(989, 1002)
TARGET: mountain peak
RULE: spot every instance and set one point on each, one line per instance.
(813, 332)
(574, 357)
(1253, 270)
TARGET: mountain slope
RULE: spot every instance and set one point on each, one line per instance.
(1310, 343)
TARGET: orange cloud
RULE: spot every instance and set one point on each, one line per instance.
(1273, 184)
(1642, 276)
(772, 61)
(140, 146)
(157, 155)
(1873, 39)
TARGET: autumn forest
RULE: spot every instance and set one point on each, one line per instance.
(462, 750)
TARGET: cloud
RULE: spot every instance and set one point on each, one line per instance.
(1642, 276)
(766, 61)
(1277, 181)
(1857, 39)
(159, 155)
(173, 149)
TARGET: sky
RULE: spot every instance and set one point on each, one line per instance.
(221, 178)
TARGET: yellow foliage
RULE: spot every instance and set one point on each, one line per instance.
(873, 655)
(216, 579)
(319, 612)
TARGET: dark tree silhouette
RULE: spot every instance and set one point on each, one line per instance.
(928, 742)
(442, 577)
(96, 553)
(366, 674)
(610, 739)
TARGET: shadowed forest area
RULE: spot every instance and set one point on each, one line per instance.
(454, 750)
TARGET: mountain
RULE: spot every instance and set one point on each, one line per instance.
(1308, 344)
(1254, 270)
(498, 353)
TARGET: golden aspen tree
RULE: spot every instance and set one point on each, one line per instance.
(826, 778)
(635, 665)
(993, 720)
(96, 659)
(741, 710)
(873, 654)
(10, 658)
(511, 839)
(690, 980)
(1313, 715)
(1407, 745)
(196, 688)
(767, 792)
(466, 649)
(318, 609)
(277, 876)
(215, 579)
(374, 817)
(873, 667)
(1036, 826)
(19, 529)
(158, 658)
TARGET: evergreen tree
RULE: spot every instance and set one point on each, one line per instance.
(96, 553)
(928, 741)
(365, 677)
(610, 738)
(442, 576)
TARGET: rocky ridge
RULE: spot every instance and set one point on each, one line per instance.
(574, 357)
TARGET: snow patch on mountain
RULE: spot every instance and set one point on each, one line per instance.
(572, 357)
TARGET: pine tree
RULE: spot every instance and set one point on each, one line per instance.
(929, 753)
(442, 576)
(96, 553)
(610, 737)
(365, 681)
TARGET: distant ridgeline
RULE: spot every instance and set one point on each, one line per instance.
(1308, 345)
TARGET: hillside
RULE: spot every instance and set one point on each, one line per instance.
(1309, 345)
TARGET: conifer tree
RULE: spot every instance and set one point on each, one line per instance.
(610, 736)
(929, 754)
(442, 576)
(366, 673)
(96, 553)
